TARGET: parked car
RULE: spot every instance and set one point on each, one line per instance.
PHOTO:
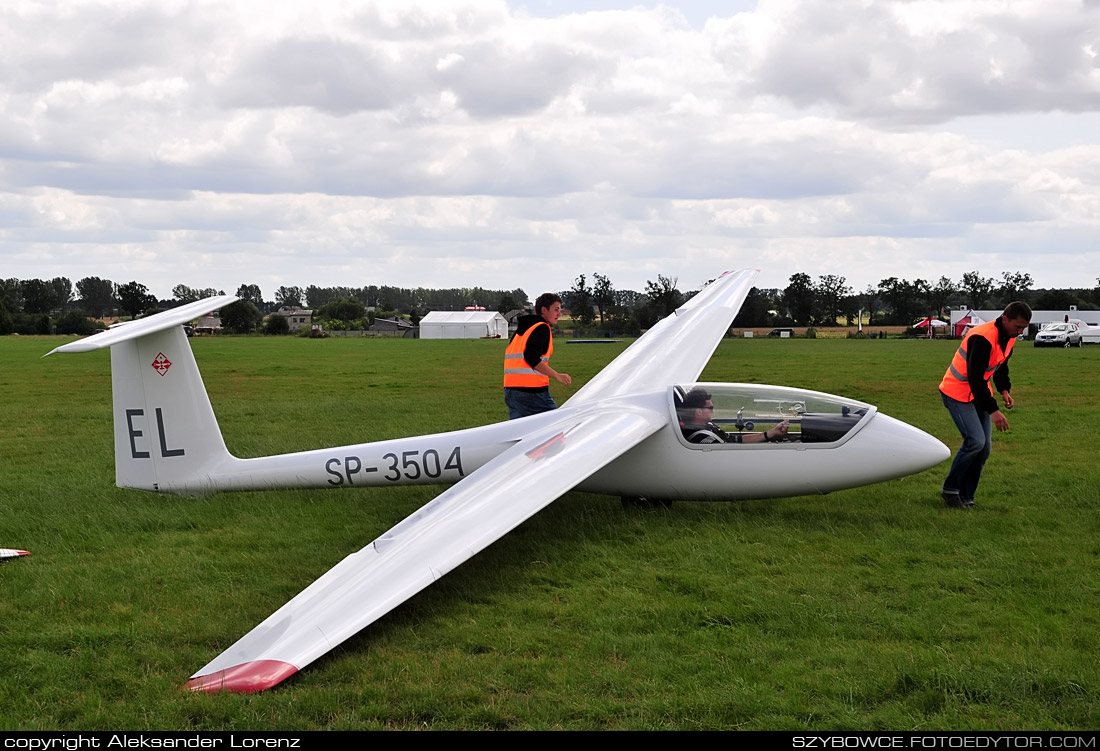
(781, 332)
(1059, 335)
(1090, 332)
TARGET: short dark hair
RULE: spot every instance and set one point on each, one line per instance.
(696, 398)
(545, 300)
(1017, 311)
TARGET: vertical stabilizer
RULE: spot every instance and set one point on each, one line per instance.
(166, 435)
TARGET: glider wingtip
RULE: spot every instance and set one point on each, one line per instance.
(246, 678)
(6, 553)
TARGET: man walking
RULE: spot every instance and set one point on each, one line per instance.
(527, 370)
(969, 396)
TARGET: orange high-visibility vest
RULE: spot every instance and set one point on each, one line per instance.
(516, 371)
(955, 383)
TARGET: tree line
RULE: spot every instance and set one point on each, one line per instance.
(830, 301)
(30, 306)
(56, 305)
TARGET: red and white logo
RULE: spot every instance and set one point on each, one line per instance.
(161, 363)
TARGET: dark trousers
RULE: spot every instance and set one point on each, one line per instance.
(977, 432)
(524, 403)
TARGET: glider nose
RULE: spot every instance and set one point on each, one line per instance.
(899, 448)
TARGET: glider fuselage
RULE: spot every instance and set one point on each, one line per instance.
(662, 466)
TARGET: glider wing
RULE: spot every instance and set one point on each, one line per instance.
(678, 347)
(441, 535)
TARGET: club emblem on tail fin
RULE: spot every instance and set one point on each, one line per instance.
(161, 364)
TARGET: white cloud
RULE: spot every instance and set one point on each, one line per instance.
(215, 143)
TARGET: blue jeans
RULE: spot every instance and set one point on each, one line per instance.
(977, 432)
(524, 403)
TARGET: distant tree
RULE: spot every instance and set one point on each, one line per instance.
(289, 297)
(754, 312)
(907, 300)
(97, 296)
(939, 297)
(507, 303)
(663, 297)
(37, 296)
(831, 290)
(7, 325)
(75, 322)
(1015, 286)
(976, 289)
(134, 298)
(849, 308)
(277, 325)
(317, 297)
(603, 295)
(343, 309)
(11, 295)
(251, 293)
(580, 301)
(414, 317)
(241, 317)
(1057, 299)
(867, 299)
(184, 294)
(628, 299)
(61, 293)
(799, 298)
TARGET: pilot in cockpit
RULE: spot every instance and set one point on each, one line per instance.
(696, 412)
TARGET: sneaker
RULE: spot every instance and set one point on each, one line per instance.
(954, 500)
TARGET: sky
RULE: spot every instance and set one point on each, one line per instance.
(214, 143)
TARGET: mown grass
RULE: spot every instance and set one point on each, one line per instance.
(872, 608)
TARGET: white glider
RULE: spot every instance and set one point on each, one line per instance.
(9, 553)
(619, 434)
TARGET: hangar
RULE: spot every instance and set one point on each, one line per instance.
(463, 324)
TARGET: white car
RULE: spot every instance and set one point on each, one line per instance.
(1090, 332)
(1059, 335)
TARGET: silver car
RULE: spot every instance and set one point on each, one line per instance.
(1059, 335)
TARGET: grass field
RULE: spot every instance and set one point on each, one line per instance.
(873, 608)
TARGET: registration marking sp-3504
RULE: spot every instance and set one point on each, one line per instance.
(408, 465)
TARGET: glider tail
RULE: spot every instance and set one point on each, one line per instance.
(166, 435)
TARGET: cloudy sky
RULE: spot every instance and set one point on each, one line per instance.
(520, 143)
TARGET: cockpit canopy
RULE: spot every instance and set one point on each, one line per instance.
(746, 409)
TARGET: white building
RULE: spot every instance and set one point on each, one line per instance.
(297, 318)
(463, 324)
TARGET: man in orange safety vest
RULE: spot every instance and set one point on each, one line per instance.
(967, 390)
(527, 370)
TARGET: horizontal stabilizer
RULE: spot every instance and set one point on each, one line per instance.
(8, 553)
(146, 326)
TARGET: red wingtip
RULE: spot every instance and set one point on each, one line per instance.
(246, 678)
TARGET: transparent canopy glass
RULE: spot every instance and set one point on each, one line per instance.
(746, 409)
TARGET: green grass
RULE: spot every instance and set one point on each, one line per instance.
(873, 608)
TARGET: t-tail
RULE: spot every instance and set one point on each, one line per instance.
(166, 435)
